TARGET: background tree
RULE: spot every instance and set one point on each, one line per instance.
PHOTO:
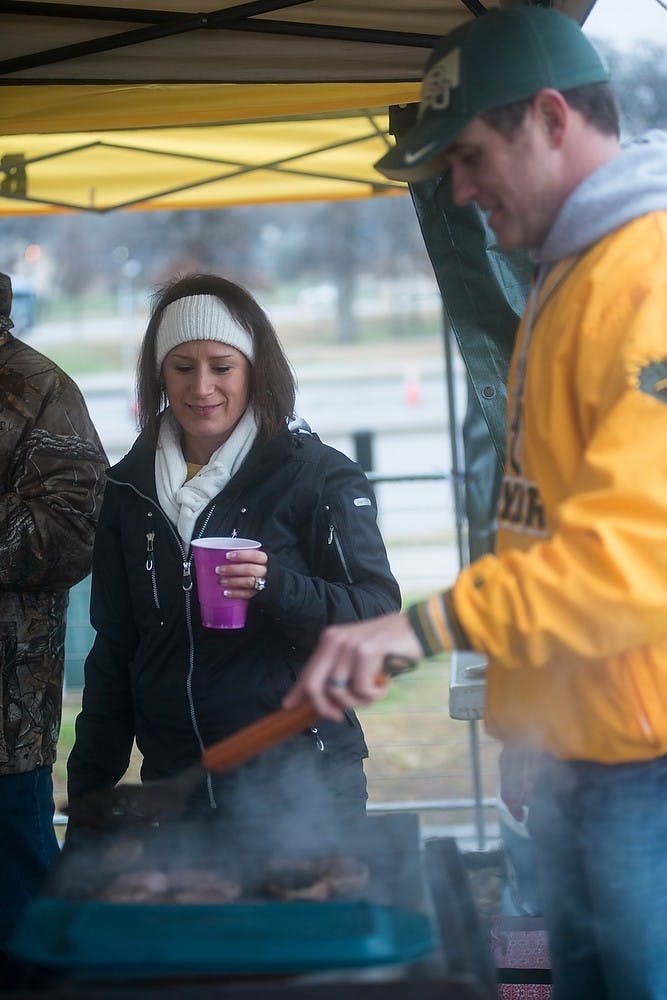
(639, 80)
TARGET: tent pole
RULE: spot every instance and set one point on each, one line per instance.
(458, 475)
(458, 479)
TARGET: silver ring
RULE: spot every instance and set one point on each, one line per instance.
(260, 582)
(337, 682)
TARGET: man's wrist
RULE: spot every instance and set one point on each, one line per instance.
(436, 625)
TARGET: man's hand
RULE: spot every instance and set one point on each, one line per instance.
(518, 769)
(346, 668)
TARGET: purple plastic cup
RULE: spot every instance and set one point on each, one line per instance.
(218, 611)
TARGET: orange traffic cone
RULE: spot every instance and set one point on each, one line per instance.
(412, 388)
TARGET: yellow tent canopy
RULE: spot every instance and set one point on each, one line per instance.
(115, 106)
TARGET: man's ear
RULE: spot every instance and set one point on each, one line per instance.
(551, 111)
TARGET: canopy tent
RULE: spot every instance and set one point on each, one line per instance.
(110, 106)
(115, 106)
(206, 166)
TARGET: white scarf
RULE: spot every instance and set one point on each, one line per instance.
(183, 501)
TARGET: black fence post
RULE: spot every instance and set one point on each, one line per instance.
(363, 449)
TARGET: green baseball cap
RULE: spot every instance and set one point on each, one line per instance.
(496, 59)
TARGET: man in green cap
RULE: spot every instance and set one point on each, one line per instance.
(571, 609)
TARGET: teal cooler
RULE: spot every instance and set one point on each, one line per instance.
(70, 932)
(112, 941)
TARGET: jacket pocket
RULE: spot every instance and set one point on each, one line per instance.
(337, 557)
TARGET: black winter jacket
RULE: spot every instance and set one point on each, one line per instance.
(155, 673)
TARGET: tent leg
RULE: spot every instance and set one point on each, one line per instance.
(458, 484)
(457, 473)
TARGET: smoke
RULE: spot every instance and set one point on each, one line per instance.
(293, 803)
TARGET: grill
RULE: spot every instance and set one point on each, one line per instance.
(414, 922)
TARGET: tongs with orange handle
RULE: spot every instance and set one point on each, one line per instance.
(129, 804)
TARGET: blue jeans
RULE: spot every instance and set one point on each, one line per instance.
(600, 835)
(28, 844)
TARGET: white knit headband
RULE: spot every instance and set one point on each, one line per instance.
(200, 317)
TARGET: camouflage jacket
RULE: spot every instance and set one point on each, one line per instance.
(51, 482)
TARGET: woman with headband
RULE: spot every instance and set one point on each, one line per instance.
(217, 456)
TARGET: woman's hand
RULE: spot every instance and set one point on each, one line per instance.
(243, 574)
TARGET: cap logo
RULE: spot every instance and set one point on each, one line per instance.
(439, 81)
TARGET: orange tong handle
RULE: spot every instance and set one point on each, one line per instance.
(259, 736)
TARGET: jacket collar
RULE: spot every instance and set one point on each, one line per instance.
(137, 468)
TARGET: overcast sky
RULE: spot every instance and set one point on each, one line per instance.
(625, 22)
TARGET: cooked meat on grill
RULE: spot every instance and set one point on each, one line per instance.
(317, 879)
(198, 885)
(223, 892)
(299, 885)
(136, 887)
(185, 885)
(348, 876)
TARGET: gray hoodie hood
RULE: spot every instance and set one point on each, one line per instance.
(634, 183)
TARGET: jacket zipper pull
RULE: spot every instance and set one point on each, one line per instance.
(331, 527)
(187, 576)
(334, 540)
(150, 537)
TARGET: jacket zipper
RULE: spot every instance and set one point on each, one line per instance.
(334, 540)
(187, 562)
(188, 686)
(152, 502)
(319, 742)
(150, 568)
(187, 587)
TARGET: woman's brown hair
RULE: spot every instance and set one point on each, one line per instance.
(272, 383)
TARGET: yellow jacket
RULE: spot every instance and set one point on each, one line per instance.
(572, 610)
